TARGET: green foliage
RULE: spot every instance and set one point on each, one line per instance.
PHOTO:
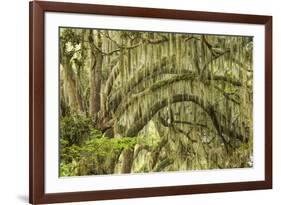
(74, 130)
(99, 155)
(84, 150)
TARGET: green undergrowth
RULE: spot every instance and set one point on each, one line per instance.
(84, 150)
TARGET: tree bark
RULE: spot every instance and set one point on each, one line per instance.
(74, 100)
(128, 157)
(95, 73)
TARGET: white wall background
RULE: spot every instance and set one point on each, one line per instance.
(14, 101)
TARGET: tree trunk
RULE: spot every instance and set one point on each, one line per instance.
(95, 73)
(74, 100)
(128, 157)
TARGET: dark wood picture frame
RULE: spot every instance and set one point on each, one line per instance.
(37, 10)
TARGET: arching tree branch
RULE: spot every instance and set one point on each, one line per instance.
(207, 107)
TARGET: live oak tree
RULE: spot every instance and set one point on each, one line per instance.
(150, 101)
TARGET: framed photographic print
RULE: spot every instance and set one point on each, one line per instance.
(139, 102)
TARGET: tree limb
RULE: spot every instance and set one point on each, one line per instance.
(207, 107)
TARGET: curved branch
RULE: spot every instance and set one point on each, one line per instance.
(232, 81)
(158, 85)
(138, 77)
(207, 107)
(139, 124)
(163, 83)
(166, 67)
